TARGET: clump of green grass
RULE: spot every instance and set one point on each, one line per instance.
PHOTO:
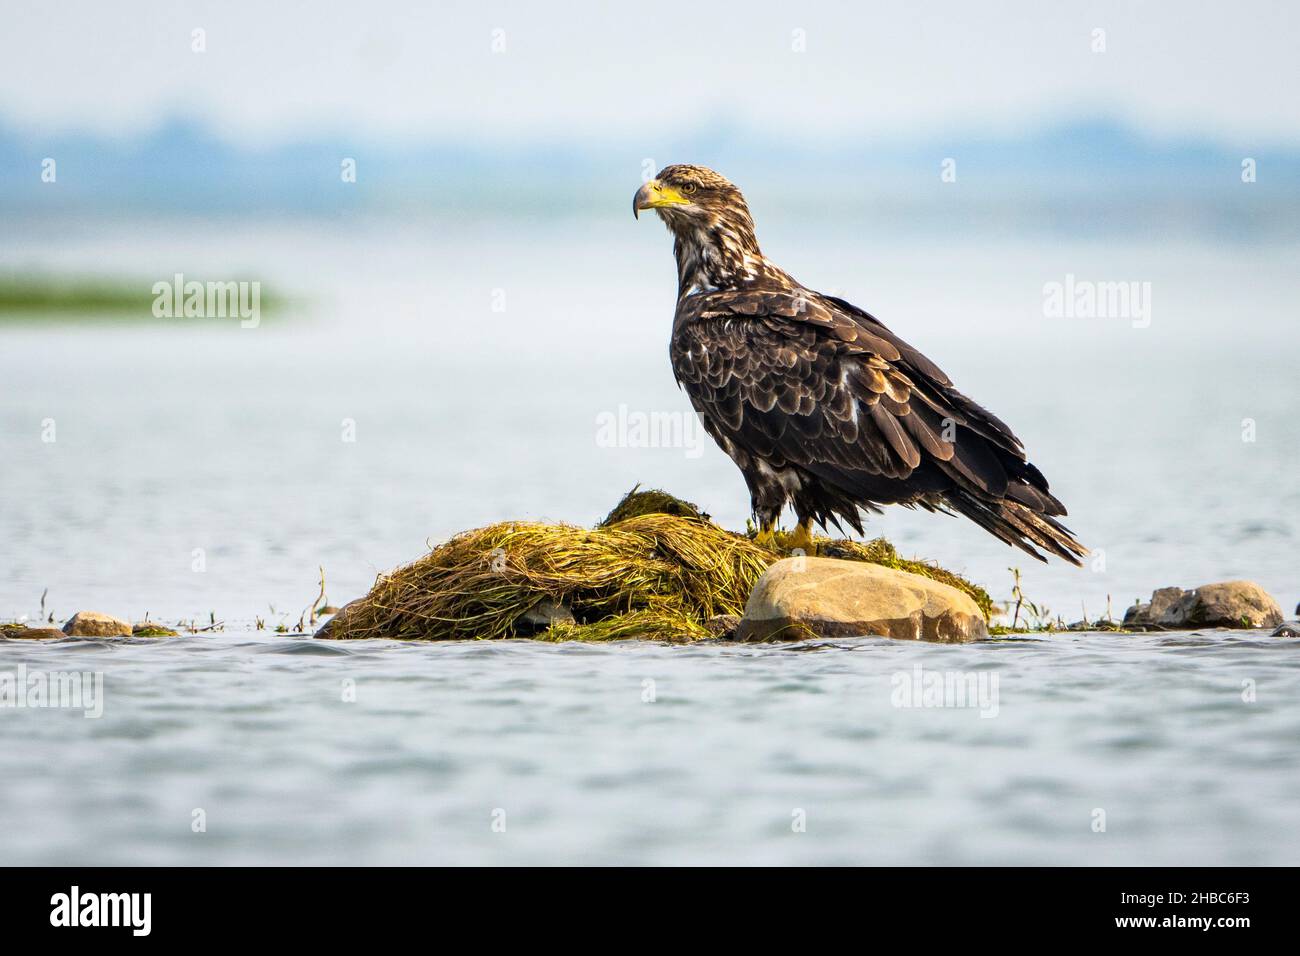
(1027, 617)
(655, 568)
(661, 623)
(44, 294)
(46, 297)
(652, 502)
(150, 629)
(654, 574)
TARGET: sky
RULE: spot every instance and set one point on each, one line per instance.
(510, 72)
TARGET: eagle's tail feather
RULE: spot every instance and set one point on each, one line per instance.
(1020, 525)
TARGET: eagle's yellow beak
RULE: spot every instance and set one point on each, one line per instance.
(655, 194)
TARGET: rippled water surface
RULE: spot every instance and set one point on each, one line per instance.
(643, 753)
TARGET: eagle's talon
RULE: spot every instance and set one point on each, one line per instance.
(802, 539)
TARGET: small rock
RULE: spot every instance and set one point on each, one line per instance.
(151, 629)
(827, 597)
(1235, 604)
(542, 615)
(723, 625)
(96, 624)
(1146, 615)
(21, 632)
(1098, 625)
(1289, 629)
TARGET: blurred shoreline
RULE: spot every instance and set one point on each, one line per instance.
(1091, 177)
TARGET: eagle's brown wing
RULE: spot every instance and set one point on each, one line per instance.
(793, 383)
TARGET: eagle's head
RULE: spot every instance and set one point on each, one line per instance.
(707, 215)
(690, 197)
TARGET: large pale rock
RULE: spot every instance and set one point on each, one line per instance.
(826, 597)
(1237, 604)
(95, 624)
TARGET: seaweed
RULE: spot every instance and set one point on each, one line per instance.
(656, 567)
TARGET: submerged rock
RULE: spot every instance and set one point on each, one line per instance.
(723, 625)
(151, 629)
(1146, 615)
(1095, 626)
(22, 632)
(96, 624)
(544, 614)
(1289, 629)
(1237, 604)
(827, 597)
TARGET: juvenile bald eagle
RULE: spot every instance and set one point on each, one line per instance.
(820, 405)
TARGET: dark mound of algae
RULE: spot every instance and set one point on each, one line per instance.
(655, 568)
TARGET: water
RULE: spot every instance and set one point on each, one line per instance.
(253, 731)
(202, 470)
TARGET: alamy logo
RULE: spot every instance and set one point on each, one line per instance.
(212, 300)
(103, 909)
(630, 428)
(1085, 299)
(75, 690)
(923, 687)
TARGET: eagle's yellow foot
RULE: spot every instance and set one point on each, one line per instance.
(766, 537)
(802, 539)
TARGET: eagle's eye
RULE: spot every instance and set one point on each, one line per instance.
(689, 189)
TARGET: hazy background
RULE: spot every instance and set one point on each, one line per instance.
(480, 295)
(276, 73)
